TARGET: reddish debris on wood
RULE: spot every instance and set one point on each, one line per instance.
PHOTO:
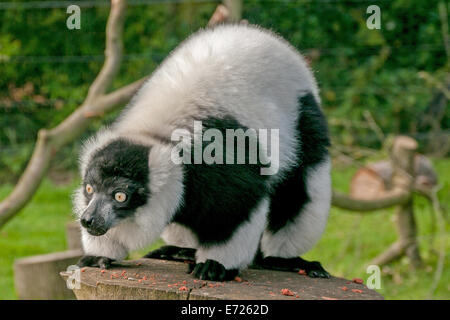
(183, 288)
(287, 292)
(344, 288)
(302, 272)
(358, 280)
(357, 290)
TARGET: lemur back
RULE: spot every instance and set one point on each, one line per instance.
(231, 77)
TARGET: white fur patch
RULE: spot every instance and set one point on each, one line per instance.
(105, 246)
(239, 251)
(300, 236)
(177, 235)
(242, 71)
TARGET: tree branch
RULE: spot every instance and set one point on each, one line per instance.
(113, 51)
(396, 197)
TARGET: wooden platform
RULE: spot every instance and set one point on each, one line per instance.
(168, 280)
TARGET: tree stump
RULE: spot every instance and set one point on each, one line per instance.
(37, 278)
(161, 279)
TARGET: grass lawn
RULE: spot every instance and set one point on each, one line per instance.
(350, 241)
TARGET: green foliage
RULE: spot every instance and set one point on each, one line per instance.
(358, 69)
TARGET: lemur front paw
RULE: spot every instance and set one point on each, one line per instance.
(312, 268)
(214, 271)
(315, 270)
(95, 261)
(172, 253)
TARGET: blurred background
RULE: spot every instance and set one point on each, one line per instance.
(375, 84)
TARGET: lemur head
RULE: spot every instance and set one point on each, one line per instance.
(115, 185)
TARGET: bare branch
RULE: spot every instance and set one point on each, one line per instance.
(396, 197)
(433, 81)
(113, 51)
(402, 157)
(220, 15)
(119, 96)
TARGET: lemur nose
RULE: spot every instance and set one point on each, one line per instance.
(87, 222)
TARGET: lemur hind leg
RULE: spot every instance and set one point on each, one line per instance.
(297, 217)
(223, 261)
(312, 268)
(172, 253)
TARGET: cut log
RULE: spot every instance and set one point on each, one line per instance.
(367, 184)
(160, 279)
(374, 180)
(37, 277)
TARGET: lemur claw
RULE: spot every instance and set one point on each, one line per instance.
(214, 271)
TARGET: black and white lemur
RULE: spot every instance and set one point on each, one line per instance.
(224, 216)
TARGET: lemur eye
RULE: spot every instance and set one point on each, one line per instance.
(89, 189)
(120, 196)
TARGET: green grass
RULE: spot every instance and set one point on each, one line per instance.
(350, 241)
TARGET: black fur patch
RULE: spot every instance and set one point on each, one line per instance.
(220, 197)
(312, 268)
(95, 261)
(172, 253)
(289, 196)
(120, 166)
(214, 271)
